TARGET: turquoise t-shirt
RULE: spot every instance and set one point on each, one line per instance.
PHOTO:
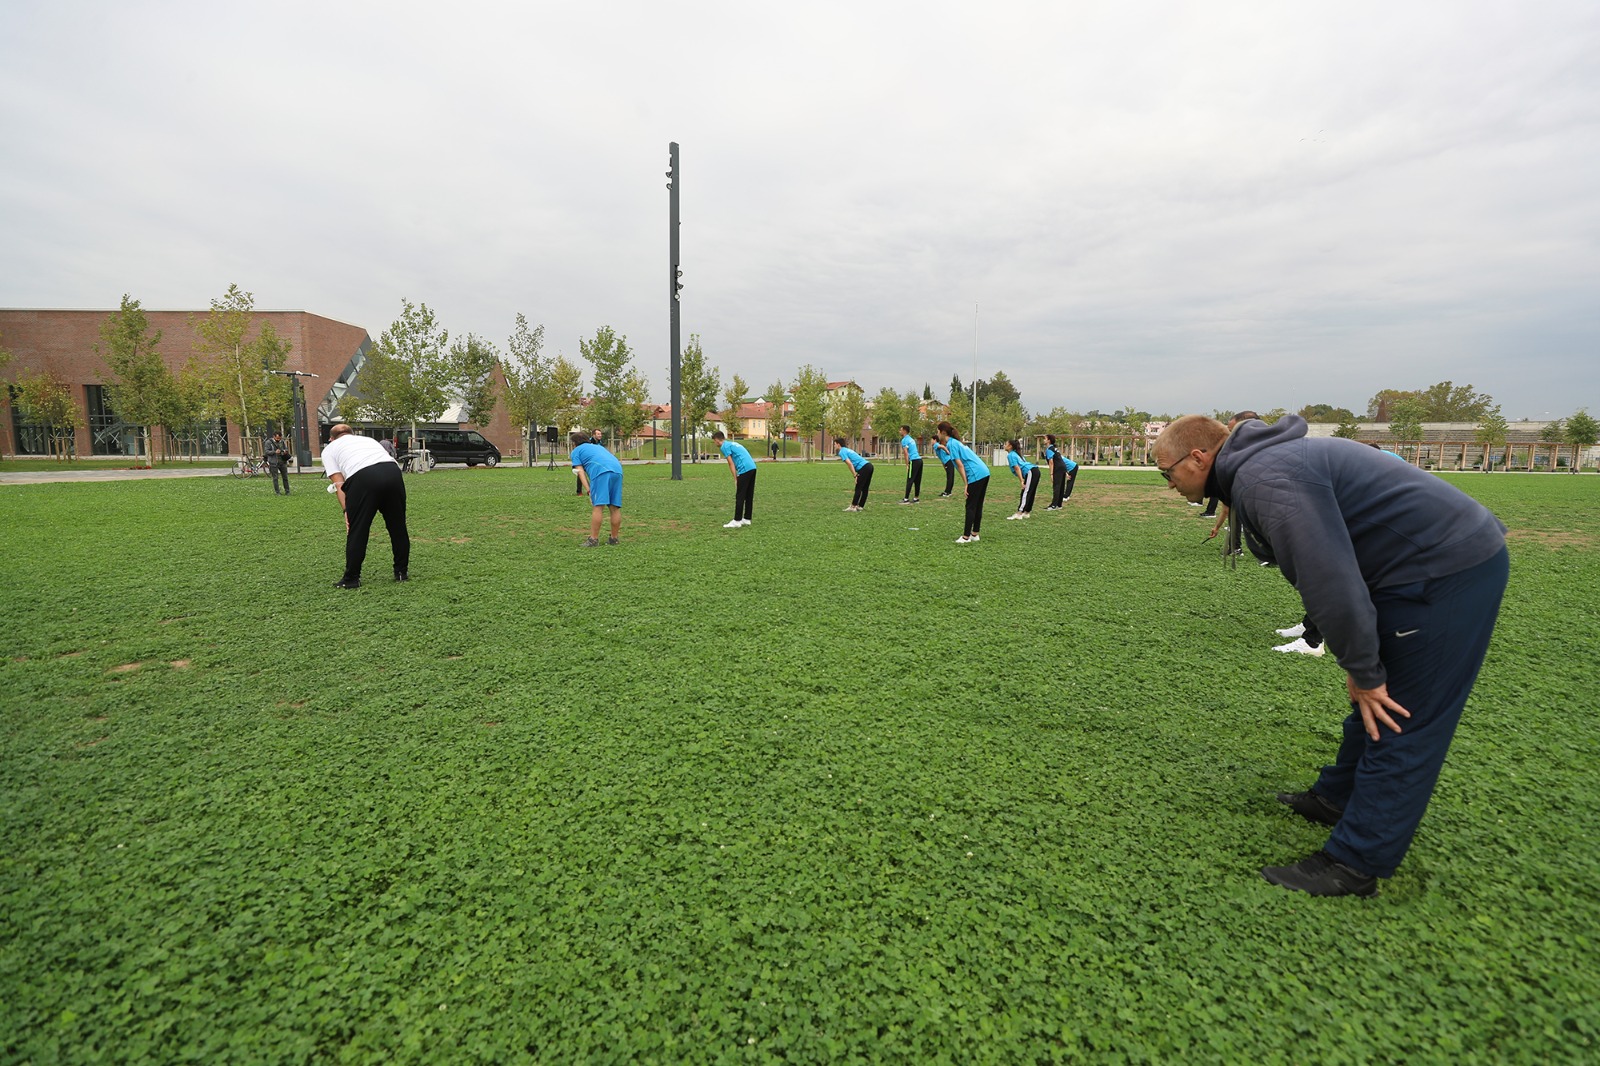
(975, 468)
(911, 447)
(1017, 462)
(595, 460)
(742, 463)
(854, 458)
(942, 452)
(1050, 455)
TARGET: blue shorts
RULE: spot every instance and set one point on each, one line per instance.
(605, 490)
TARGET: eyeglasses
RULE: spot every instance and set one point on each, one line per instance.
(1166, 471)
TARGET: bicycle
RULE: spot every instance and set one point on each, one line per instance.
(249, 466)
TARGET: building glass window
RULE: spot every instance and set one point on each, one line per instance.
(31, 438)
(202, 438)
(108, 433)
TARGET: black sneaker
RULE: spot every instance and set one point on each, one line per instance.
(1311, 807)
(342, 583)
(612, 542)
(1320, 874)
(401, 575)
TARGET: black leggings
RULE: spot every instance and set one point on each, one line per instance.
(744, 495)
(914, 479)
(863, 482)
(1061, 485)
(949, 478)
(1030, 489)
(976, 491)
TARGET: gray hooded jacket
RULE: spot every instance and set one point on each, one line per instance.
(1342, 521)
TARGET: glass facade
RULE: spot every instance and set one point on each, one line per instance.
(30, 438)
(109, 434)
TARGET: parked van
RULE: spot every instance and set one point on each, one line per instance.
(449, 446)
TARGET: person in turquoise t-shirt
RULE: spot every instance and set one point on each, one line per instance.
(1063, 473)
(943, 454)
(600, 476)
(1026, 473)
(744, 478)
(863, 472)
(908, 446)
(976, 475)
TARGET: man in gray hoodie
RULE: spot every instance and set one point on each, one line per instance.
(1403, 573)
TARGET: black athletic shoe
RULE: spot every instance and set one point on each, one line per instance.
(1311, 807)
(343, 584)
(1320, 874)
(401, 575)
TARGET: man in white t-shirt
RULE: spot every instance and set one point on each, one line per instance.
(368, 482)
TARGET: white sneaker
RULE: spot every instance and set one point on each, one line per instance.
(1296, 630)
(1013, 517)
(963, 540)
(1024, 514)
(1302, 647)
(735, 524)
(744, 522)
(974, 538)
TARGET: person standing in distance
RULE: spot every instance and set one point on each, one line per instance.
(974, 473)
(943, 455)
(1063, 473)
(368, 483)
(908, 446)
(863, 471)
(744, 478)
(600, 476)
(1404, 575)
(276, 453)
(1026, 473)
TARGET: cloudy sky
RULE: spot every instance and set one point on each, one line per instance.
(1174, 205)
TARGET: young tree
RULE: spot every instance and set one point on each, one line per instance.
(565, 395)
(887, 414)
(809, 391)
(527, 383)
(240, 381)
(190, 405)
(1581, 431)
(408, 374)
(1492, 433)
(777, 421)
(472, 363)
(1405, 419)
(619, 389)
(911, 413)
(46, 400)
(1348, 428)
(698, 385)
(142, 379)
(735, 395)
(847, 412)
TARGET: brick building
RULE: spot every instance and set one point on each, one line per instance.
(63, 343)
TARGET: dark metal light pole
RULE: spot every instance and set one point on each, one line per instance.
(302, 438)
(673, 285)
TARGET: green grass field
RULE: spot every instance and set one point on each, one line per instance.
(828, 789)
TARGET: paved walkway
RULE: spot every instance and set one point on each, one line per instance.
(41, 477)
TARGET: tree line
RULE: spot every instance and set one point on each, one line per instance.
(413, 373)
